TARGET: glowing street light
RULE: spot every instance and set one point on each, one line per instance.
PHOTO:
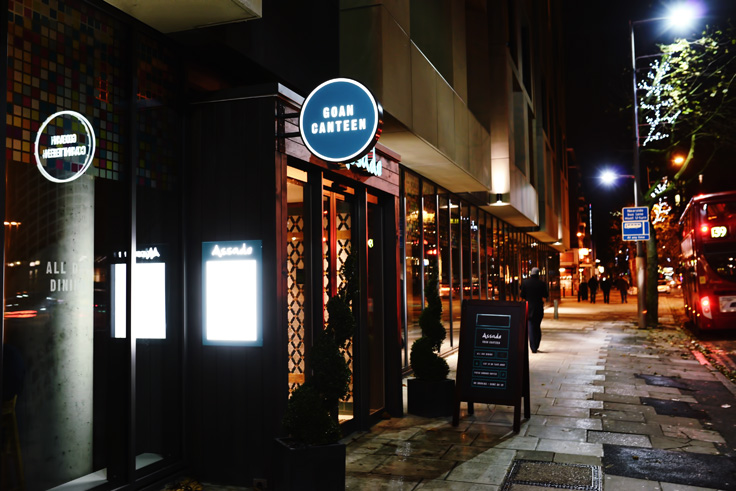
(608, 177)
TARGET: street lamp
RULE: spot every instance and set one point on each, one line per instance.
(679, 16)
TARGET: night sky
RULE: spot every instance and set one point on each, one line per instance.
(598, 82)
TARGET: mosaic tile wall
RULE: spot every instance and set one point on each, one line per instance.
(157, 143)
(65, 55)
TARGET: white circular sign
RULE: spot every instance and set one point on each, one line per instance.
(65, 146)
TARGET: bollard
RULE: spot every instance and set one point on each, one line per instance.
(556, 303)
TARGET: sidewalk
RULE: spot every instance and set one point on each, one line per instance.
(612, 407)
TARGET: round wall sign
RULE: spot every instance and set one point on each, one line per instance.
(65, 146)
(340, 120)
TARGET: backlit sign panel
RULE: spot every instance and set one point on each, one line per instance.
(149, 296)
(340, 121)
(231, 293)
(65, 146)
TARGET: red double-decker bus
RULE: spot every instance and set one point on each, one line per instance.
(708, 227)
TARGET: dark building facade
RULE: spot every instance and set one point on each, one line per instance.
(170, 242)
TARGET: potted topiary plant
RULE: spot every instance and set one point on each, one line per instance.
(312, 456)
(430, 393)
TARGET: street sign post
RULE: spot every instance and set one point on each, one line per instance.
(635, 225)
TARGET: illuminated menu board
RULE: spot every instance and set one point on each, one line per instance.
(493, 361)
(231, 293)
(149, 295)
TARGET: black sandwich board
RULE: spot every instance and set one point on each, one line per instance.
(493, 358)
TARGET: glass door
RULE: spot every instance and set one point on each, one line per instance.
(337, 243)
(374, 335)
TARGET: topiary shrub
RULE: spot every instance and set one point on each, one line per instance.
(311, 415)
(425, 360)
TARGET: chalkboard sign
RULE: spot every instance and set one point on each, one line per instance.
(493, 359)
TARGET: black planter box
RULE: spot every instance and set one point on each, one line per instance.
(430, 398)
(309, 467)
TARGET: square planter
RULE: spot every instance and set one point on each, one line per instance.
(430, 398)
(309, 467)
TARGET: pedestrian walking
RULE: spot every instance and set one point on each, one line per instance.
(593, 287)
(623, 287)
(605, 285)
(583, 291)
(535, 292)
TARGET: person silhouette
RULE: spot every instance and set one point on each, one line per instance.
(593, 287)
(605, 285)
(535, 292)
(623, 288)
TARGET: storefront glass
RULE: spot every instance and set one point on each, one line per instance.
(413, 247)
(98, 353)
(445, 263)
(480, 256)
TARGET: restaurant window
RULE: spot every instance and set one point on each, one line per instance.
(445, 263)
(483, 258)
(456, 255)
(429, 221)
(413, 250)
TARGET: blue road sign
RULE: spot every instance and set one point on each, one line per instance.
(638, 230)
(636, 214)
(635, 225)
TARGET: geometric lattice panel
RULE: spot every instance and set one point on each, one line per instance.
(344, 245)
(295, 300)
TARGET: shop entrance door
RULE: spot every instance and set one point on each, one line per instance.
(337, 243)
(374, 341)
(343, 220)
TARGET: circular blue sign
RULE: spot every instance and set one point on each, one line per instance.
(340, 120)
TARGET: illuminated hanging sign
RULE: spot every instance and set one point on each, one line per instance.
(231, 293)
(65, 146)
(340, 120)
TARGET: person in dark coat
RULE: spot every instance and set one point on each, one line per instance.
(605, 285)
(583, 291)
(593, 287)
(623, 287)
(535, 292)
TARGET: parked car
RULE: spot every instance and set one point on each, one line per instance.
(663, 286)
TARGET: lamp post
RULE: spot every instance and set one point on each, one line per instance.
(641, 259)
(608, 177)
(678, 16)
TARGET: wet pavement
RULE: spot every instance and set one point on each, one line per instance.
(612, 408)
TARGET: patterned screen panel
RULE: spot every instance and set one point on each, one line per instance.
(295, 299)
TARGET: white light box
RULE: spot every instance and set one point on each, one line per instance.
(231, 293)
(149, 301)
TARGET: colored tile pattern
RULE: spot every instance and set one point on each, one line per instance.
(65, 55)
(59, 56)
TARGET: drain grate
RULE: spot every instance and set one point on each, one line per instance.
(553, 475)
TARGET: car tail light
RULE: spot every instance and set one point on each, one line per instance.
(705, 307)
